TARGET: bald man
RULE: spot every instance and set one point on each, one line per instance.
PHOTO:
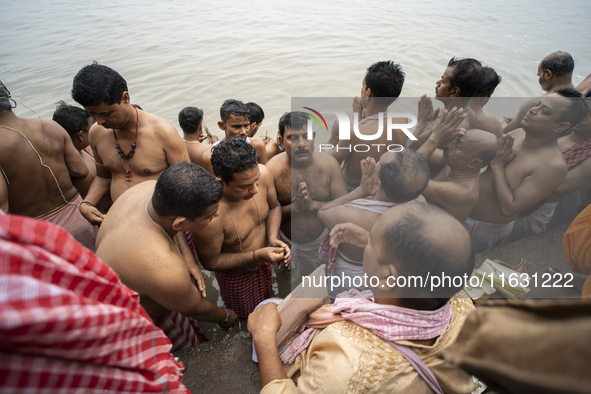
(408, 240)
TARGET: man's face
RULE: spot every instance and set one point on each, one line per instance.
(236, 126)
(545, 113)
(202, 221)
(254, 127)
(443, 86)
(245, 184)
(298, 146)
(114, 116)
(542, 79)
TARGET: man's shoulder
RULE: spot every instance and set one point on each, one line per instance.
(325, 160)
(277, 163)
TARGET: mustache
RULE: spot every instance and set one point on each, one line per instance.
(303, 150)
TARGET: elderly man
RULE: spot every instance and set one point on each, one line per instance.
(240, 243)
(37, 161)
(138, 239)
(527, 168)
(305, 181)
(367, 341)
(122, 160)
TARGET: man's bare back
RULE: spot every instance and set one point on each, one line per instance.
(531, 175)
(457, 195)
(32, 190)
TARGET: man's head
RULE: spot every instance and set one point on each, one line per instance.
(103, 93)
(461, 78)
(235, 119)
(6, 102)
(471, 152)
(190, 120)
(556, 113)
(187, 194)
(490, 81)
(584, 126)
(403, 175)
(75, 121)
(293, 136)
(556, 69)
(383, 83)
(235, 164)
(418, 239)
(257, 115)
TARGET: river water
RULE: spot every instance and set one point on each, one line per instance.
(189, 53)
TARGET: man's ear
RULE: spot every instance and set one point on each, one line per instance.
(280, 139)
(369, 92)
(384, 275)
(79, 135)
(221, 181)
(179, 222)
(548, 74)
(221, 125)
(455, 92)
(561, 127)
(200, 128)
(125, 98)
(475, 163)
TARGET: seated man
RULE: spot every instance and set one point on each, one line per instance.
(484, 122)
(456, 187)
(527, 168)
(371, 339)
(138, 239)
(121, 161)
(305, 181)
(398, 177)
(191, 122)
(242, 240)
(68, 324)
(38, 161)
(235, 122)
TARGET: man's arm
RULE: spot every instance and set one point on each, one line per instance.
(533, 188)
(173, 145)
(515, 123)
(261, 149)
(273, 221)
(100, 186)
(450, 195)
(3, 192)
(576, 178)
(76, 166)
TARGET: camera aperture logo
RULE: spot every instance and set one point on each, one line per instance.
(345, 129)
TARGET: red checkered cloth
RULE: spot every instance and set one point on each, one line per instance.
(242, 292)
(68, 324)
(573, 155)
(182, 331)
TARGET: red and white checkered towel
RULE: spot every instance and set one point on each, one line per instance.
(68, 324)
(182, 331)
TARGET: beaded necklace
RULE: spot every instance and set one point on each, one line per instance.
(128, 156)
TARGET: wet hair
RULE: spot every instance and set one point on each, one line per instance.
(185, 189)
(385, 79)
(6, 102)
(96, 84)
(417, 254)
(190, 118)
(405, 178)
(231, 156)
(468, 75)
(295, 120)
(490, 81)
(560, 63)
(577, 111)
(256, 112)
(234, 107)
(72, 119)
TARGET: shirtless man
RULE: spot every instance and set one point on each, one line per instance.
(555, 71)
(527, 168)
(138, 239)
(484, 122)
(381, 85)
(239, 244)
(305, 180)
(37, 159)
(576, 150)
(235, 122)
(399, 177)
(120, 130)
(191, 122)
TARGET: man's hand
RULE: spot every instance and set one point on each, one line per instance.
(425, 112)
(446, 129)
(286, 251)
(349, 233)
(266, 139)
(368, 185)
(91, 213)
(302, 200)
(232, 318)
(270, 254)
(505, 151)
(264, 322)
(198, 276)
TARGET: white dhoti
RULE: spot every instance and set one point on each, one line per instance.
(344, 276)
(304, 257)
(533, 223)
(486, 235)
